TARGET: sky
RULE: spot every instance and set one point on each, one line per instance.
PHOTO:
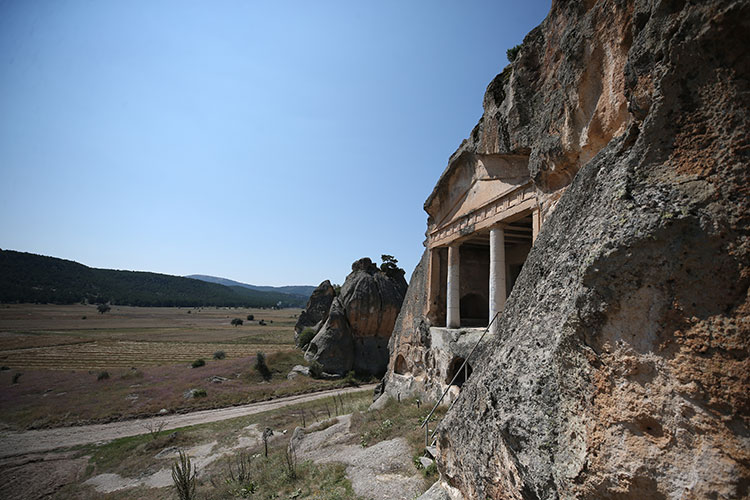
(273, 143)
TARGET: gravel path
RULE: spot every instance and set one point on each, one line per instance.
(21, 443)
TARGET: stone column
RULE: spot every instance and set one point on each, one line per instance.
(497, 272)
(536, 223)
(453, 309)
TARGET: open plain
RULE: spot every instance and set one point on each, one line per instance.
(70, 365)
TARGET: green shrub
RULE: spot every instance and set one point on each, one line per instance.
(237, 322)
(199, 362)
(512, 53)
(250, 317)
(102, 376)
(199, 393)
(430, 471)
(16, 377)
(351, 379)
(316, 369)
(261, 367)
(305, 337)
(3, 368)
(220, 355)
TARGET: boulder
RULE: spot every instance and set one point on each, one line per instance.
(317, 309)
(360, 321)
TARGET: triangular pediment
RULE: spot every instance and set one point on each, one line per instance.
(475, 183)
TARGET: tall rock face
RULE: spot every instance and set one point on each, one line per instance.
(356, 332)
(317, 309)
(620, 366)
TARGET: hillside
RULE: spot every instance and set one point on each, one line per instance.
(301, 290)
(26, 277)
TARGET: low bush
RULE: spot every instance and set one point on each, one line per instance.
(351, 379)
(220, 355)
(102, 376)
(198, 363)
(237, 322)
(431, 471)
(261, 367)
(305, 337)
(512, 53)
(316, 369)
(250, 317)
(16, 377)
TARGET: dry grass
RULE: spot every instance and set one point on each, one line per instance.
(147, 353)
(57, 338)
(134, 457)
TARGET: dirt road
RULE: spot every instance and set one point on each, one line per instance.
(21, 443)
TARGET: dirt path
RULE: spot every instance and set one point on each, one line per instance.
(21, 443)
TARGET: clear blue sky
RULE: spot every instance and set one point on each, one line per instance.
(268, 142)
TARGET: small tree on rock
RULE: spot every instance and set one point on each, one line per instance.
(390, 266)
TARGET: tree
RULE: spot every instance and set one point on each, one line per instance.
(512, 53)
(390, 266)
(261, 367)
(102, 308)
(250, 317)
(237, 322)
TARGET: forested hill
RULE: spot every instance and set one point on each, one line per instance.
(302, 290)
(26, 277)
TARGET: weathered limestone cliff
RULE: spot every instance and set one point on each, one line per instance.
(316, 311)
(619, 367)
(359, 323)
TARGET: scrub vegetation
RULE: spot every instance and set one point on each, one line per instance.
(148, 356)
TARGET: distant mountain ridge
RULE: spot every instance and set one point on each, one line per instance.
(302, 290)
(26, 277)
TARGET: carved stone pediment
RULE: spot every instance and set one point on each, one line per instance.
(476, 189)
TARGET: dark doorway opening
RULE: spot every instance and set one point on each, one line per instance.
(400, 365)
(455, 370)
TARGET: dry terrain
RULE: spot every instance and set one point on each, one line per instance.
(70, 365)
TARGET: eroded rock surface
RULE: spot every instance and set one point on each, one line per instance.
(360, 322)
(620, 368)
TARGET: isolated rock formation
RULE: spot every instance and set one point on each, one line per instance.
(620, 367)
(317, 309)
(360, 322)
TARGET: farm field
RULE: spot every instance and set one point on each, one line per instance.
(61, 369)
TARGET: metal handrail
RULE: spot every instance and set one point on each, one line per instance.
(458, 372)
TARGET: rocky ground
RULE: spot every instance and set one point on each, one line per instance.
(380, 472)
(31, 468)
